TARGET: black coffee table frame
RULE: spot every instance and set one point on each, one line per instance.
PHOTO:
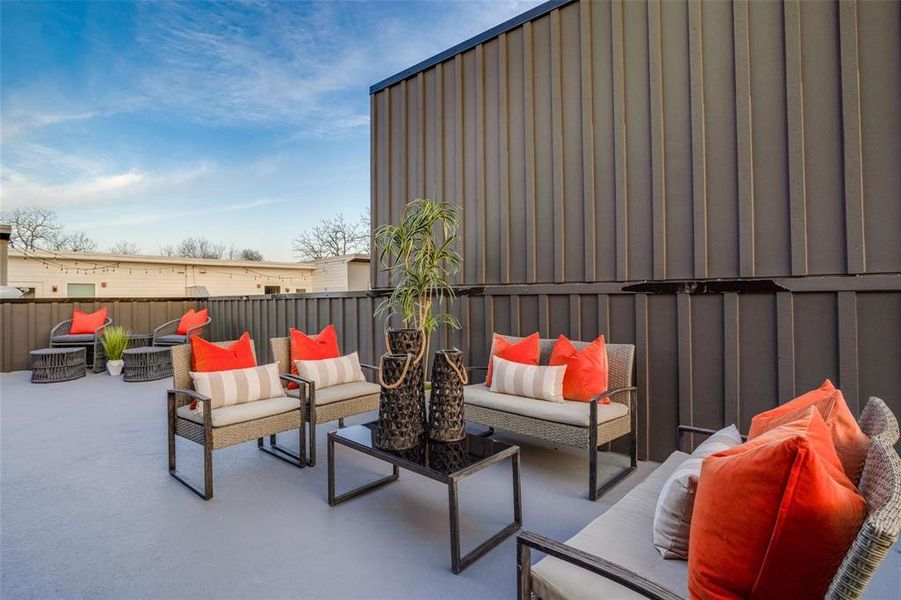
(451, 480)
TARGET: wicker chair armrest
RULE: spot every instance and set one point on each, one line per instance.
(590, 562)
(169, 324)
(192, 394)
(485, 368)
(292, 378)
(370, 367)
(614, 392)
(108, 321)
(67, 323)
(198, 328)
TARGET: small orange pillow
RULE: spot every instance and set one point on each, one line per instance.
(83, 322)
(774, 517)
(313, 347)
(586, 369)
(207, 356)
(525, 351)
(190, 320)
(851, 443)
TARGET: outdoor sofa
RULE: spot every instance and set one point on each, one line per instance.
(229, 425)
(614, 556)
(334, 403)
(568, 423)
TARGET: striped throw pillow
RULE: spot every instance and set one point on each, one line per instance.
(517, 379)
(331, 371)
(238, 386)
(672, 516)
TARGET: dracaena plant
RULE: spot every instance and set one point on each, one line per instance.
(419, 255)
(115, 342)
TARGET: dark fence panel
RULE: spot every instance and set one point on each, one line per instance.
(702, 358)
(25, 324)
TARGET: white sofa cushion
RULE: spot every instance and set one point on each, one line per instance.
(328, 372)
(623, 535)
(344, 391)
(239, 413)
(238, 386)
(672, 515)
(568, 412)
(541, 383)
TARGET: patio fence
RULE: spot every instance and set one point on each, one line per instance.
(706, 359)
(705, 356)
(25, 324)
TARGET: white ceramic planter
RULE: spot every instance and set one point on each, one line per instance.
(114, 367)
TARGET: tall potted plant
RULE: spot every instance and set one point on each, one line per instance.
(419, 255)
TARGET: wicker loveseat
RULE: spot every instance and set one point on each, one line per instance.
(614, 556)
(228, 425)
(567, 423)
(333, 403)
(61, 338)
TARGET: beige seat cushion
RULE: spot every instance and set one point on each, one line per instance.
(623, 535)
(343, 391)
(239, 413)
(568, 412)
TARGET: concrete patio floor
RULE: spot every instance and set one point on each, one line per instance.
(88, 510)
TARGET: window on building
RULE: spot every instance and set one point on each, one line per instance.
(272, 289)
(80, 290)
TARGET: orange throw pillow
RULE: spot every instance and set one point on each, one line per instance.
(313, 347)
(586, 369)
(83, 322)
(526, 351)
(190, 320)
(207, 356)
(851, 443)
(774, 517)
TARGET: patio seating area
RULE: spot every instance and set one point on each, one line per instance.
(88, 509)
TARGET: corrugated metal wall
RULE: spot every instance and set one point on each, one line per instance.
(616, 141)
(25, 324)
(609, 142)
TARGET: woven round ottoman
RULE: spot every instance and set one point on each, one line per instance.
(146, 364)
(55, 365)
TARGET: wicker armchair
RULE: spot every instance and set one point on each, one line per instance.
(270, 417)
(60, 337)
(568, 423)
(167, 333)
(624, 531)
(334, 403)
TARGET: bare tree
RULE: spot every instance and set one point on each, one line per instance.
(250, 254)
(72, 242)
(333, 237)
(32, 228)
(195, 248)
(125, 248)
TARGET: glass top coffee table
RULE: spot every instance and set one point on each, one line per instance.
(444, 462)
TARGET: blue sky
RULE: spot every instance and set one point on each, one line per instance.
(241, 121)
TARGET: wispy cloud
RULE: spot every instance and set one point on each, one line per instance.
(169, 215)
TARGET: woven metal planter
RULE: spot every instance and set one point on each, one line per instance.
(54, 365)
(411, 341)
(400, 426)
(147, 364)
(446, 400)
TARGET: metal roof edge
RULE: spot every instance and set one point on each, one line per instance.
(529, 15)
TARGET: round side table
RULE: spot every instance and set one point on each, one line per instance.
(146, 364)
(55, 365)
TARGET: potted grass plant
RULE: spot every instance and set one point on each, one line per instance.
(115, 342)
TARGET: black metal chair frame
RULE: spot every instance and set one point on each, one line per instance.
(280, 452)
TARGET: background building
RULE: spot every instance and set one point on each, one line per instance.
(44, 274)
